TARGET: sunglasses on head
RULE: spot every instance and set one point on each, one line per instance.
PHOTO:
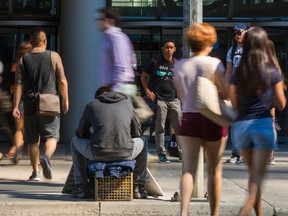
(237, 33)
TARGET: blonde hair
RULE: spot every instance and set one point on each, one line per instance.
(200, 36)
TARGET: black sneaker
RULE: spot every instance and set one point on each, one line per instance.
(35, 176)
(82, 191)
(162, 158)
(139, 192)
(45, 163)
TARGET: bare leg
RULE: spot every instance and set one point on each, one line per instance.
(33, 149)
(257, 162)
(214, 151)
(190, 154)
(50, 147)
(18, 136)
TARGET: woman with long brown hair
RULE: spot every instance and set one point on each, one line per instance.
(256, 87)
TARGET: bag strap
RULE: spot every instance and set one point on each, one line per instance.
(27, 74)
(155, 67)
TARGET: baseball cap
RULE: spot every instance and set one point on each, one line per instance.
(239, 27)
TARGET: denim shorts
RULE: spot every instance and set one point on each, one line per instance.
(254, 134)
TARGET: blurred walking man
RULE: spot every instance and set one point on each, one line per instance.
(40, 68)
(118, 56)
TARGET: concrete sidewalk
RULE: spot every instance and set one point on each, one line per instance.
(19, 197)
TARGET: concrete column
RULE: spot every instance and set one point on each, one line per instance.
(193, 13)
(80, 51)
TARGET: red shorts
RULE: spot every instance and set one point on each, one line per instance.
(196, 125)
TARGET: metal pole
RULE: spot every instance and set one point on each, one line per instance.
(193, 13)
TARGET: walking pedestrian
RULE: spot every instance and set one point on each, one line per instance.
(232, 62)
(38, 71)
(6, 107)
(256, 87)
(118, 56)
(272, 49)
(16, 149)
(195, 129)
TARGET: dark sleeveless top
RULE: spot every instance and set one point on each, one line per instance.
(39, 68)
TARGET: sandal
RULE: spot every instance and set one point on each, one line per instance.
(11, 152)
(17, 155)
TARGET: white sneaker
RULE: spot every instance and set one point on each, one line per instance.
(35, 176)
(271, 161)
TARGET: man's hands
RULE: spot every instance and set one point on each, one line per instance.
(65, 106)
(151, 96)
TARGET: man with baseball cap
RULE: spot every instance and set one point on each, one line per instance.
(232, 62)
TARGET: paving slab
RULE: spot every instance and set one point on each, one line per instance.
(19, 197)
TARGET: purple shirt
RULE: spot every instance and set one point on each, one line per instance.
(118, 59)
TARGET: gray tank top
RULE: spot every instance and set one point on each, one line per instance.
(42, 74)
(38, 70)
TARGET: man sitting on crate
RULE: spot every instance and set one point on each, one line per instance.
(108, 131)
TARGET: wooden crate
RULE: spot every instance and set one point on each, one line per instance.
(111, 188)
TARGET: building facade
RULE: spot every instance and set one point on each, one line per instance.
(71, 31)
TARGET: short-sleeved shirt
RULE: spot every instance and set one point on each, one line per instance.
(185, 80)
(236, 58)
(257, 106)
(162, 83)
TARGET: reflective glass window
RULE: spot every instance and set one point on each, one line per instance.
(212, 9)
(30, 8)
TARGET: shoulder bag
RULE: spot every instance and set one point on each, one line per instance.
(211, 105)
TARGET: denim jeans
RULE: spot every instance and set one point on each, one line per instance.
(81, 151)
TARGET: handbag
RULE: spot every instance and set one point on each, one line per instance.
(211, 105)
(48, 105)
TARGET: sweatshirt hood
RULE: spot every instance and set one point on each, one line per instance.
(111, 97)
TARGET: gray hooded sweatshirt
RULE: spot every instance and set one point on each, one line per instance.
(110, 123)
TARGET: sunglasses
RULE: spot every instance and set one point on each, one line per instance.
(237, 33)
